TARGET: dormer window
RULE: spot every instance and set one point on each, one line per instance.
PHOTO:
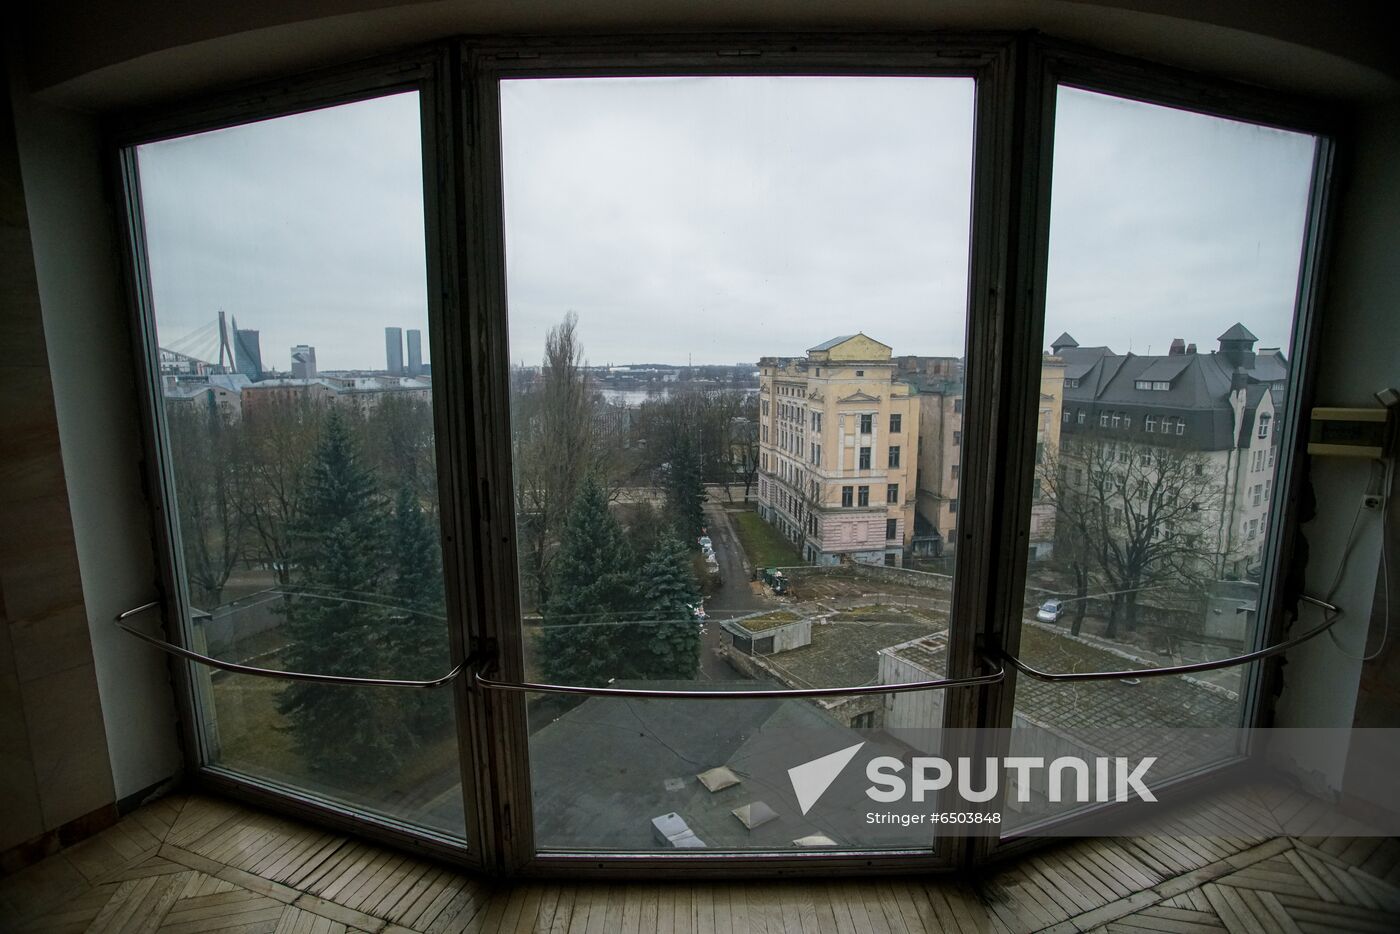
(1264, 425)
(1152, 385)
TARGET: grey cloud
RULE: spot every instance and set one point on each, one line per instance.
(727, 218)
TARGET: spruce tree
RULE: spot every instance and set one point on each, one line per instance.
(585, 639)
(685, 487)
(333, 623)
(419, 633)
(668, 591)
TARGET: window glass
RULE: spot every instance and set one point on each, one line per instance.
(681, 252)
(1174, 248)
(287, 264)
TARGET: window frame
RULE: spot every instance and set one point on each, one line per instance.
(1051, 63)
(1014, 118)
(428, 70)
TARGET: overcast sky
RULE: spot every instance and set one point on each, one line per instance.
(727, 218)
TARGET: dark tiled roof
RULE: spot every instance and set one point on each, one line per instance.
(1165, 368)
(1237, 333)
(1199, 392)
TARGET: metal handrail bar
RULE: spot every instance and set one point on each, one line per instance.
(313, 677)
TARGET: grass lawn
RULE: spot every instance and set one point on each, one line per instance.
(763, 544)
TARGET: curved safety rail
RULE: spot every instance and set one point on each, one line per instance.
(1164, 671)
(180, 652)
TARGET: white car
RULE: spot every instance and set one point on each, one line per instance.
(1050, 611)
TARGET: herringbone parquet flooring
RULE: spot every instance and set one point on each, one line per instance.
(192, 863)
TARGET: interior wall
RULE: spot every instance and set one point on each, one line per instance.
(54, 779)
(76, 256)
(1359, 355)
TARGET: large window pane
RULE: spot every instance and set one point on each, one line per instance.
(288, 272)
(1175, 241)
(737, 327)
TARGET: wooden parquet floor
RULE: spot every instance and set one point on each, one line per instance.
(192, 863)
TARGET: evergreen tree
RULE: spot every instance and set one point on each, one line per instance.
(585, 639)
(419, 636)
(332, 621)
(668, 591)
(685, 487)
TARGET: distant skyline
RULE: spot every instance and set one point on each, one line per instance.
(724, 219)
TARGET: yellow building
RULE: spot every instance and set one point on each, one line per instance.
(838, 445)
(938, 382)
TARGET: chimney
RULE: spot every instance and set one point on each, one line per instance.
(1190, 348)
(1178, 347)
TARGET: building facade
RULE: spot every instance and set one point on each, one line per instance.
(838, 445)
(393, 351)
(247, 352)
(303, 362)
(415, 352)
(1220, 408)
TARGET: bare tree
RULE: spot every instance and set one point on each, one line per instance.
(203, 447)
(1144, 515)
(279, 440)
(558, 438)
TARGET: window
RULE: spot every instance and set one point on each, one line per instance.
(1154, 149)
(300, 195)
(570, 155)
(1264, 420)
